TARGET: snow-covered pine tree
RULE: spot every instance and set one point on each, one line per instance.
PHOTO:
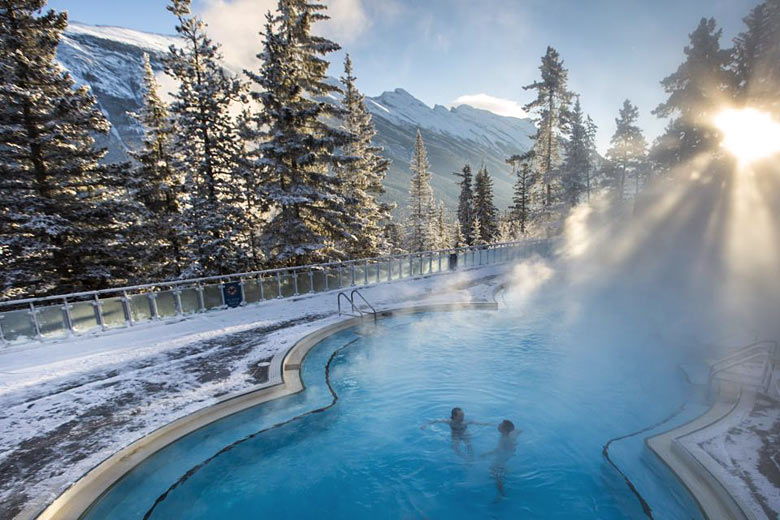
(551, 107)
(696, 91)
(476, 228)
(295, 144)
(591, 177)
(458, 240)
(576, 167)
(465, 201)
(442, 228)
(205, 147)
(484, 208)
(521, 210)
(361, 179)
(757, 58)
(420, 228)
(66, 221)
(254, 207)
(158, 185)
(394, 235)
(627, 152)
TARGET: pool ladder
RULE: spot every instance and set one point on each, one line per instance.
(356, 311)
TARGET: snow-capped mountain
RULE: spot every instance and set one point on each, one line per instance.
(109, 60)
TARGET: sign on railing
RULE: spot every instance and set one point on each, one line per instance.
(56, 317)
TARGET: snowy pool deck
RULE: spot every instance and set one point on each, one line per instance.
(67, 406)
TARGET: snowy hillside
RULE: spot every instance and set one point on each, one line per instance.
(109, 60)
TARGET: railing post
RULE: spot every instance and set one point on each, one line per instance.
(177, 301)
(2, 336)
(68, 317)
(201, 299)
(99, 312)
(243, 292)
(311, 280)
(411, 266)
(378, 270)
(439, 261)
(152, 297)
(340, 268)
(389, 269)
(352, 274)
(279, 283)
(430, 263)
(365, 273)
(260, 283)
(327, 279)
(34, 316)
(295, 283)
(126, 308)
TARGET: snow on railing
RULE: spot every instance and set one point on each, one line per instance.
(62, 316)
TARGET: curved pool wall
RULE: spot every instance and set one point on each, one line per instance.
(367, 453)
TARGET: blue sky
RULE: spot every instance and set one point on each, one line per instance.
(441, 50)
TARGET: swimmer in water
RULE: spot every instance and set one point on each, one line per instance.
(505, 450)
(459, 430)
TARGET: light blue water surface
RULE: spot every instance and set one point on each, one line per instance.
(367, 457)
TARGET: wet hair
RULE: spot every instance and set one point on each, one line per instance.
(455, 412)
(506, 426)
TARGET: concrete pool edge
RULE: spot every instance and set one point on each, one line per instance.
(714, 499)
(79, 497)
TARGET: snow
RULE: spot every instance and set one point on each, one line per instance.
(65, 407)
(144, 40)
(463, 122)
(738, 450)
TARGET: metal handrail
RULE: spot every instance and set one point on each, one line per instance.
(761, 349)
(354, 293)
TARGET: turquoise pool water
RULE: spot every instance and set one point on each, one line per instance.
(367, 457)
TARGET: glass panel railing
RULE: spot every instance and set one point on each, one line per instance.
(320, 277)
(252, 290)
(113, 313)
(18, 326)
(140, 310)
(82, 316)
(304, 281)
(190, 303)
(51, 321)
(287, 285)
(166, 304)
(212, 296)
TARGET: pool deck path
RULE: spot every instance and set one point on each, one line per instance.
(67, 406)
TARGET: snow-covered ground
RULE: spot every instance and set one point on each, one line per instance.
(743, 452)
(66, 406)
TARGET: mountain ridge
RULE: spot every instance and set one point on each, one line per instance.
(108, 59)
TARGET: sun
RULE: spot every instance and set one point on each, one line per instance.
(749, 134)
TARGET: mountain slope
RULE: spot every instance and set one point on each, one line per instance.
(109, 60)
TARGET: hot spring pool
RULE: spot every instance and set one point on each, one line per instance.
(367, 457)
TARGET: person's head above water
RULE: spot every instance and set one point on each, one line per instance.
(457, 414)
(506, 426)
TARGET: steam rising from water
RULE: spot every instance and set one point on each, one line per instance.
(694, 262)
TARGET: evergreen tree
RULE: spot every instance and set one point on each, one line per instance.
(394, 236)
(576, 167)
(442, 229)
(476, 228)
(522, 169)
(158, 185)
(484, 209)
(696, 91)
(253, 204)
(465, 209)
(627, 152)
(552, 111)
(206, 147)
(66, 221)
(361, 179)
(458, 239)
(590, 182)
(421, 231)
(757, 58)
(296, 147)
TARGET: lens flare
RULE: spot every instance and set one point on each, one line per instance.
(749, 134)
